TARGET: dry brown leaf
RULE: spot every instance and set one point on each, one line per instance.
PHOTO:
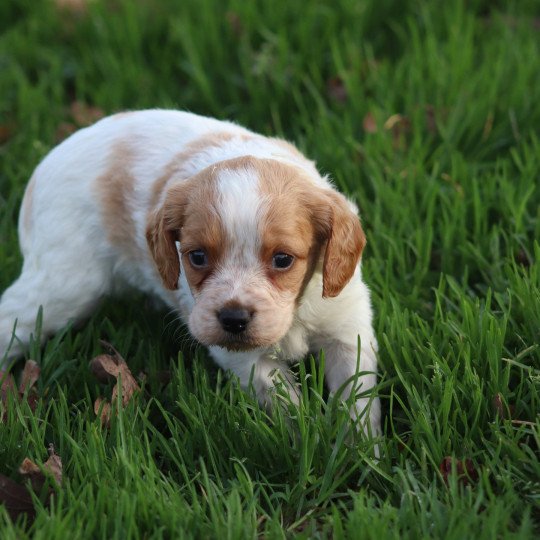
(84, 114)
(114, 365)
(337, 90)
(16, 499)
(399, 126)
(26, 390)
(522, 258)
(54, 465)
(7, 386)
(29, 376)
(28, 469)
(464, 469)
(128, 385)
(504, 411)
(369, 123)
(37, 475)
(102, 408)
(104, 368)
(235, 23)
(6, 132)
(431, 121)
(64, 130)
(74, 5)
(498, 405)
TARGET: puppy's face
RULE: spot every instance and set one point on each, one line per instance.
(251, 233)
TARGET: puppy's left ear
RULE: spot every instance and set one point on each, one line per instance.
(339, 225)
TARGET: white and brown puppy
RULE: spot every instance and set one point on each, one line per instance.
(238, 232)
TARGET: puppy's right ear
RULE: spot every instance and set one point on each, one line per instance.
(162, 233)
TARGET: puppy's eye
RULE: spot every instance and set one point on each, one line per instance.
(282, 261)
(198, 258)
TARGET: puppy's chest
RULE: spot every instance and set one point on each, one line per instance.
(298, 341)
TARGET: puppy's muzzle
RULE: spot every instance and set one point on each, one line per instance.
(234, 320)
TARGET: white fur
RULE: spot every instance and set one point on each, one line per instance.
(70, 264)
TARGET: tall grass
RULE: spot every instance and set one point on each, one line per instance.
(448, 192)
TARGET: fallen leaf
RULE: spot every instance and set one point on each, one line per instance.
(38, 475)
(498, 405)
(369, 123)
(16, 498)
(464, 469)
(29, 376)
(84, 114)
(7, 386)
(114, 365)
(102, 408)
(502, 409)
(76, 7)
(54, 465)
(64, 130)
(399, 126)
(522, 258)
(128, 386)
(26, 390)
(431, 122)
(336, 89)
(28, 469)
(6, 132)
(235, 23)
(104, 368)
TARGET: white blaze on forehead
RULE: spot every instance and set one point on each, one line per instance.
(239, 205)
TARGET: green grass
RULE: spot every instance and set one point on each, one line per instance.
(450, 201)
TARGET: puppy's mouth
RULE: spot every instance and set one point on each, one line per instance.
(245, 341)
(239, 343)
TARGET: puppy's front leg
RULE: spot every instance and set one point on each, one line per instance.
(342, 367)
(258, 368)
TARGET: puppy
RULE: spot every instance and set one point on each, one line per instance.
(238, 232)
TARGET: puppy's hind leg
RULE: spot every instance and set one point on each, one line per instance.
(66, 292)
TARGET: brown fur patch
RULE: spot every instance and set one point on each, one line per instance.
(202, 229)
(288, 226)
(177, 166)
(164, 223)
(301, 218)
(28, 204)
(115, 189)
(344, 247)
(188, 214)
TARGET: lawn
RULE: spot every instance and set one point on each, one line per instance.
(427, 114)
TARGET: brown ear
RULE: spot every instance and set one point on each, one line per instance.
(162, 232)
(345, 241)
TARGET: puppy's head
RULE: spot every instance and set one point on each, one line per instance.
(251, 233)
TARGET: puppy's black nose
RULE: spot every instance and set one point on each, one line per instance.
(234, 320)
